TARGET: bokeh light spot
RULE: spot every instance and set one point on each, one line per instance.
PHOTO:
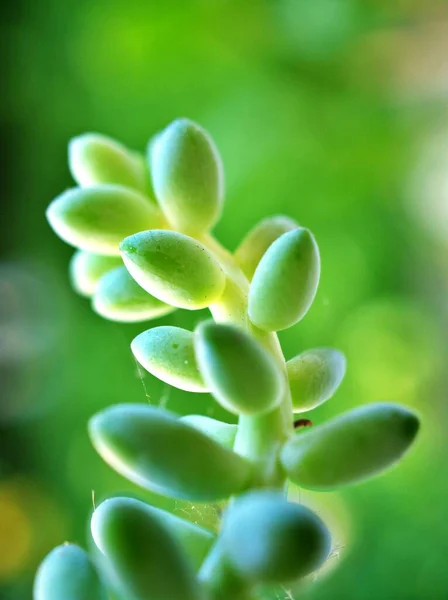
(391, 347)
(16, 535)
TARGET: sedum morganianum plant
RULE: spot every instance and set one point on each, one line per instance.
(144, 248)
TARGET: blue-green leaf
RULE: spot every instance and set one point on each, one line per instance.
(67, 573)
(350, 448)
(270, 540)
(239, 372)
(153, 448)
(141, 553)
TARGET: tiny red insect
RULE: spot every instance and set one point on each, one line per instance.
(302, 423)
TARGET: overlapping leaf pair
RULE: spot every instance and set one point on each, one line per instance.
(140, 258)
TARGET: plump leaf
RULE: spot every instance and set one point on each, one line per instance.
(257, 241)
(174, 268)
(119, 298)
(270, 540)
(187, 176)
(220, 580)
(68, 573)
(94, 159)
(97, 218)
(168, 353)
(350, 448)
(153, 448)
(285, 281)
(141, 552)
(87, 268)
(195, 540)
(314, 377)
(223, 433)
(238, 371)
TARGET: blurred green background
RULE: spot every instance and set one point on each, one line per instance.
(331, 111)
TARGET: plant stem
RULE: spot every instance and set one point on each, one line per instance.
(259, 437)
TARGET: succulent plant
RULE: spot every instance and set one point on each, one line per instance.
(141, 228)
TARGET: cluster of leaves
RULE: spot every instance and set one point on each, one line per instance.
(138, 259)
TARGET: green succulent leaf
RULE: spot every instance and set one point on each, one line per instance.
(153, 448)
(220, 580)
(270, 540)
(187, 176)
(97, 218)
(355, 446)
(118, 297)
(314, 377)
(285, 281)
(238, 371)
(223, 433)
(141, 552)
(174, 268)
(68, 573)
(253, 247)
(196, 541)
(95, 159)
(87, 268)
(168, 353)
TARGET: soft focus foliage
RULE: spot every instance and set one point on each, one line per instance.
(67, 572)
(119, 298)
(142, 552)
(97, 218)
(314, 376)
(304, 101)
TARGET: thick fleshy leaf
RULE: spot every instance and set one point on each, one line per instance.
(285, 281)
(355, 446)
(168, 353)
(68, 573)
(314, 377)
(187, 176)
(223, 433)
(195, 540)
(141, 552)
(238, 371)
(257, 241)
(270, 540)
(95, 159)
(97, 218)
(119, 298)
(174, 268)
(86, 269)
(153, 448)
(220, 580)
